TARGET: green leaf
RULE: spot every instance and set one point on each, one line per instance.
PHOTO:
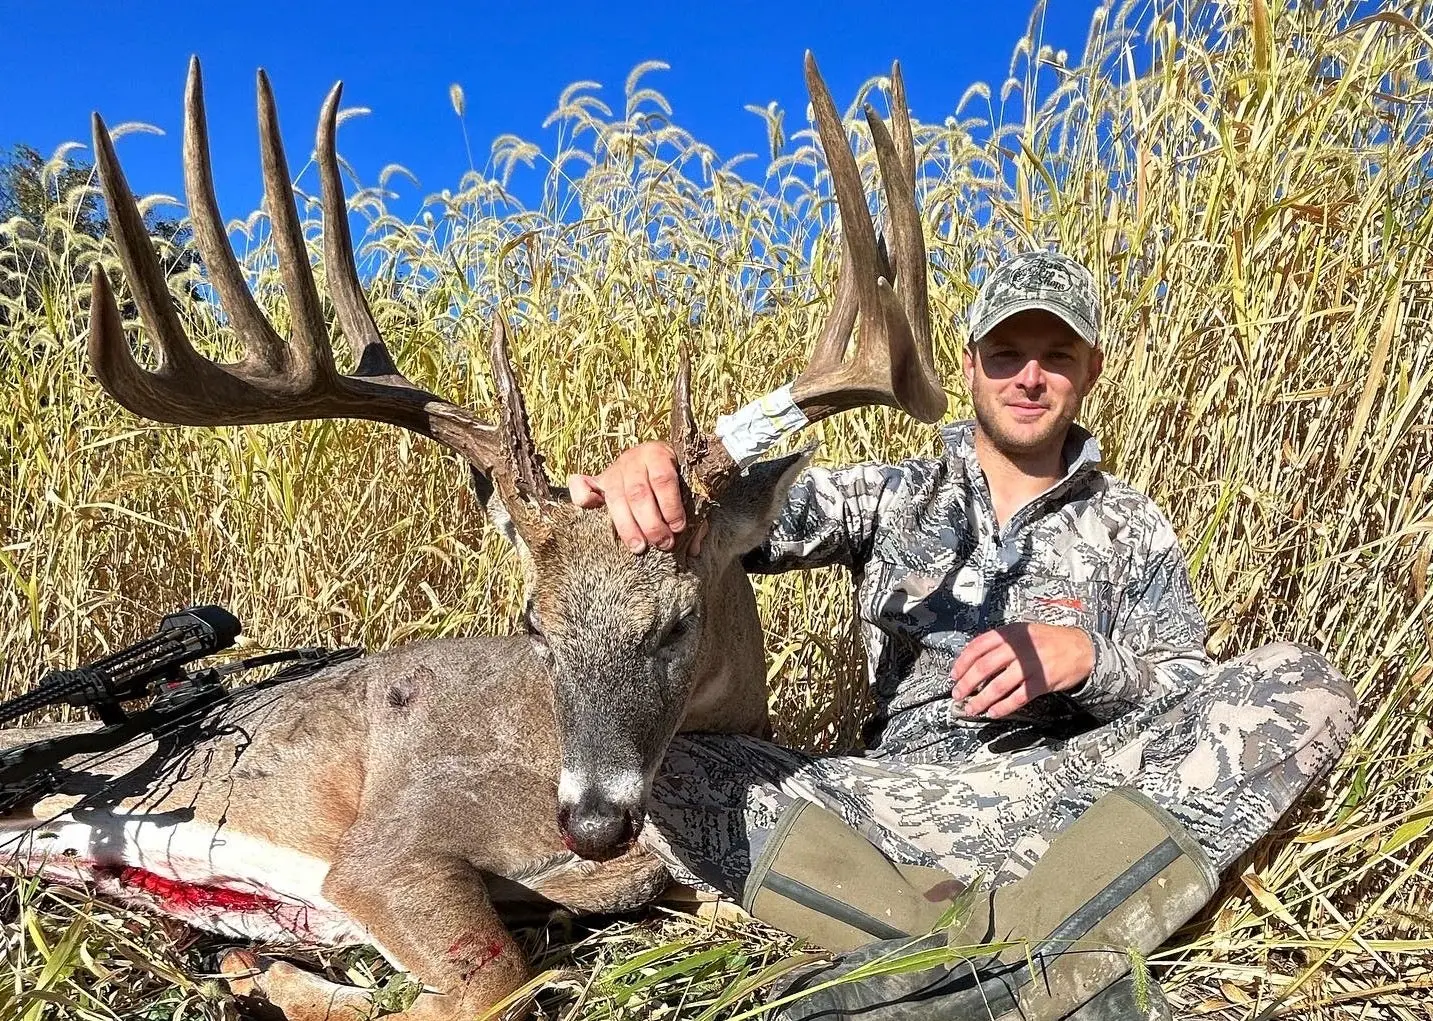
(1406, 834)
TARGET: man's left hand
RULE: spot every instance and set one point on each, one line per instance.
(1002, 670)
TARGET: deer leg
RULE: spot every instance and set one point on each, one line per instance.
(433, 917)
(274, 990)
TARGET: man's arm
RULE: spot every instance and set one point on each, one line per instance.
(829, 517)
(1155, 647)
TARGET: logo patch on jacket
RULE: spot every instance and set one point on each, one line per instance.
(1070, 603)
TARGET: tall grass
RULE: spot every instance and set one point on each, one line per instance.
(1252, 185)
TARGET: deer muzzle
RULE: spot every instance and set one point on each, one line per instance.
(600, 820)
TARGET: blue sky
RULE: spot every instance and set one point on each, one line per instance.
(128, 59)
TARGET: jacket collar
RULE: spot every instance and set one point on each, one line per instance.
(1081, 451)
(1081, 454)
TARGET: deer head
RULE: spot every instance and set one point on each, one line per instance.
(634, 645)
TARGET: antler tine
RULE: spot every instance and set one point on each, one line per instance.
(692, 449)
(912, 378)
(860, 261)
(913, 255)
(309, 352)
(896, 157)
(901, 125)
(684, 434)
(114, 365)
(370, 353)
(830, 346)
(264, 346)
(146, 279)
(523, 460)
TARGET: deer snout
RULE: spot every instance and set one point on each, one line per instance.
(597, 829)
(599, 821)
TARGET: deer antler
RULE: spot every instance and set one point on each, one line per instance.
(892, 362)
(278, 380)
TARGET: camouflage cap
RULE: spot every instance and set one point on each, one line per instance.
(1046, 280)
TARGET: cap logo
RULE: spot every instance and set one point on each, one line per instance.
(1042, 275)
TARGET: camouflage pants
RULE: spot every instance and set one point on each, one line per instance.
(1227, 759)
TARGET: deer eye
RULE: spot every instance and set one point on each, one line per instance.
(680, 628)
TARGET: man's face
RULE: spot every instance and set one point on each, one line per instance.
(1027, 378)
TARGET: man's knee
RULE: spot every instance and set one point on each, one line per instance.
(1303, 684)
(1276, 719)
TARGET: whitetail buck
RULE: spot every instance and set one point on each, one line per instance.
(400, 798)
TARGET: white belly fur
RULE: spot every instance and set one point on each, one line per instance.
(283, 884)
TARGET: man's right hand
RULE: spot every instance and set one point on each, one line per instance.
(643, 493)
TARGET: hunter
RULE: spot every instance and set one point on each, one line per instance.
(1053, 753)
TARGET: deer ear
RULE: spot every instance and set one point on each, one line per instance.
(750, 504)
(491, 498)
(487, 494)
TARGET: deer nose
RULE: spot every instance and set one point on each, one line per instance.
(597, 828)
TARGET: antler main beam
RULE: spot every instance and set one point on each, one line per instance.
(278, 380)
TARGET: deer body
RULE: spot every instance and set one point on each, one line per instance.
(401, 798)
(406, 799)
(301, 802)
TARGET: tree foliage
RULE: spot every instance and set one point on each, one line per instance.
(31, 187)
(54, 212)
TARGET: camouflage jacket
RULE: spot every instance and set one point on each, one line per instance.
(932, 569)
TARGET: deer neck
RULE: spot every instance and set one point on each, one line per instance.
(729, 692)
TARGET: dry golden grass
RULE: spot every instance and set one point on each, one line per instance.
(1253, 185)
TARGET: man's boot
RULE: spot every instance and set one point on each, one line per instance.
(819, 879)
(1121, 879)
